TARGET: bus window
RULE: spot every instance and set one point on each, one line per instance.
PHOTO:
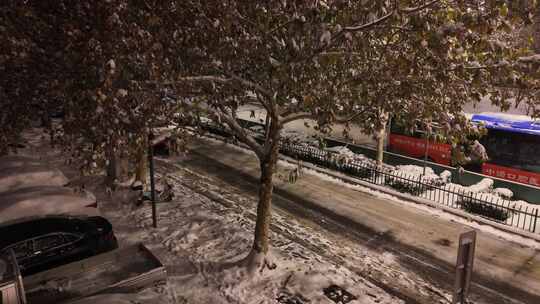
(500, 147)
(528, 158)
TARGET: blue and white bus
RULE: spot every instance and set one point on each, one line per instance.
(513, 147)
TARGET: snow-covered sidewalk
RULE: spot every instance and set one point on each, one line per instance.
(201, 240)
(213, 235)
(208, 228)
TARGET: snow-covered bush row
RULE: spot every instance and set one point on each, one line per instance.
(344, 155)
(295, 137)
(482, 190)
(412, 179)
(417, 173)
(483, 199)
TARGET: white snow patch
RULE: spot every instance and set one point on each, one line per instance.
(504, 192)
(482, 186)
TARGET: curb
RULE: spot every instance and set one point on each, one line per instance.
(417, 200)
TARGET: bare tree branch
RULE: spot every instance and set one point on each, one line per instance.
(362, 27)
(239, 131)
(306, 115)
(220, 79)
(351, 117)
(296, 116)
(411, 10)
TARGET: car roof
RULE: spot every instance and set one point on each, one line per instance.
(17, 177)
(18, 171)
(29, 187)
(43, 200)
(49, 217)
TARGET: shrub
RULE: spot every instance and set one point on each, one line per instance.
(404, 185)
(484, 209)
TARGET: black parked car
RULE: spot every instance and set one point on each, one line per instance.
(43, 243)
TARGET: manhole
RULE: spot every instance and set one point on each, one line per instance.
(286, 298)
(338, 294)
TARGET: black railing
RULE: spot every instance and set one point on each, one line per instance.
(494, 208)
(491, 207)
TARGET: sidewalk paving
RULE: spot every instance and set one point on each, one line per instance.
(505, 265)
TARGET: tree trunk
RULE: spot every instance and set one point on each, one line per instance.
(141, 172)
(123, 168)
(381, 137)
(262, 227)
(380, 145)
(117, 167)
(536, 29)
(111, 164)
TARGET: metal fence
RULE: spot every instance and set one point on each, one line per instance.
(491, 207)
(497, 209)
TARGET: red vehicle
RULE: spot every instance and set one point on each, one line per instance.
(512, 145)
(416, 147)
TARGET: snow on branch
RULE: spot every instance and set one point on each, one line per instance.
(307, 115)
(357, 28)
(238, 131)
(411, 10)
(231, 78)
(408, 10)
(530, 59)
(346, 119)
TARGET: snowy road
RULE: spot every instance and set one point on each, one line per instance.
(413, 264)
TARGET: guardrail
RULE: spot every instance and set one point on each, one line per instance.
(521, 191)
(497, 209)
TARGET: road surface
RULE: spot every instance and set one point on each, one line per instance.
(505, 272)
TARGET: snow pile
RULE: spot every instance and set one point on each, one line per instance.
(415, 173)
(296, 137)
(503, 192)
(344, 155)
(446, 176)
(456, 193)
(485, 185)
